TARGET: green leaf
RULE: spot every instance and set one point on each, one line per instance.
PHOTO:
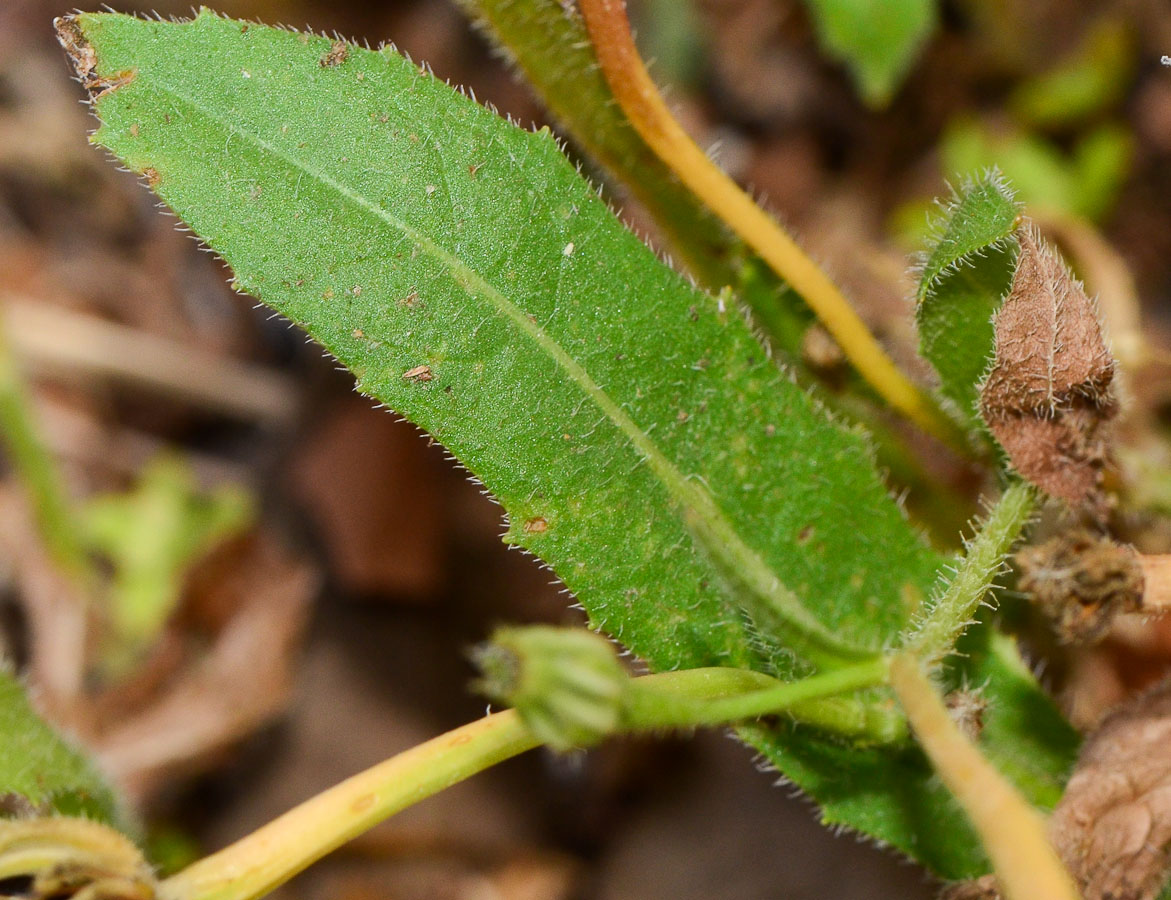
(151, 536)
(1084, 183)
(547, 40)
(1022, 732)
(878, 40)
(965, 277)
(893, 792)
(36, 764)
(1092, 78)
(637, 436)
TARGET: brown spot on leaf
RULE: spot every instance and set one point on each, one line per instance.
(1047, 398)
(337, 54)
(418, 373)
(1081, 582)
(85, 59)
(535, 525)
(151, 175)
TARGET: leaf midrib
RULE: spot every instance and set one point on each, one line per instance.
(700, 511)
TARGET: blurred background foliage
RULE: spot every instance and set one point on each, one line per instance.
(295, 576)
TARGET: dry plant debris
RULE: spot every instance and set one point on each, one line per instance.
(1081, 582)
(1047, 398)
(1113, 825)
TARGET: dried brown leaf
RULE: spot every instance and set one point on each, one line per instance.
(1047, 398)
(1081, 582)
(1113, 825)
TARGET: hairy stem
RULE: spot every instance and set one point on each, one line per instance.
(34, 467)
(946, 617)
(644, 106)
(1012, 832)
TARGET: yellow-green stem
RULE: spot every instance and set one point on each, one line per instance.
(680, 700)
(636, 93)
(270, 856)
(1012, 832)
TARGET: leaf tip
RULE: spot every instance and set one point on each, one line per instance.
(84, 58)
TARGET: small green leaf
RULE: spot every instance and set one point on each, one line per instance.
(151, 536)
(37, 765)
(1089, 80)
(878, 40)
(964, 279)
(1085, 182)
(1021, 730)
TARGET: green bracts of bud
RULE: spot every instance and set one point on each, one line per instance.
(567, 684)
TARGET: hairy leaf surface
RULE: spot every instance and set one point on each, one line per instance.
(40, 767)
(965, 277)
(548, 42)
(640, 441)
(637, 436)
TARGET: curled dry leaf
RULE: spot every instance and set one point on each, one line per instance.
(1112, 828)
(1113, 825)
(1081, 582)
(1047, 398)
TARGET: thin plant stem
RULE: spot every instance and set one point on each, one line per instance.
(676, 699)
(945, 618)
(36, 471)
(1012, 832)
(270, 856)
(636, 93)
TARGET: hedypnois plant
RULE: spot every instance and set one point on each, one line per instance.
(698, 497)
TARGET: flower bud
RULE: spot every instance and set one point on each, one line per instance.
(65, 857)
(567, 684)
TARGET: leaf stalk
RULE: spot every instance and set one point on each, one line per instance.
(636, 93)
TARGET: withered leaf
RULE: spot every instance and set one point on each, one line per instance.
(1047, 398)
(1113, 825)
(1081, 582)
